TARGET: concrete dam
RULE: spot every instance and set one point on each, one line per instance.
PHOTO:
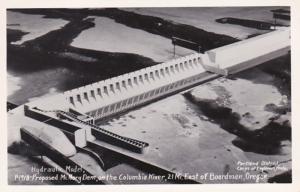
(111, 96)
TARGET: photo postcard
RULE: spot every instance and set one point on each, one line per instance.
(149, 95)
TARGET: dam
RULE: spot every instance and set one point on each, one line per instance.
(111, 96)
(75, 111)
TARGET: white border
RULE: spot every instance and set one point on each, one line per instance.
(295, 11)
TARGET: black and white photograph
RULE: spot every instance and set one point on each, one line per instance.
(149, 95)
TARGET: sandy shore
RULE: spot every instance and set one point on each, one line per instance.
(32, 25)
(127, 40)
